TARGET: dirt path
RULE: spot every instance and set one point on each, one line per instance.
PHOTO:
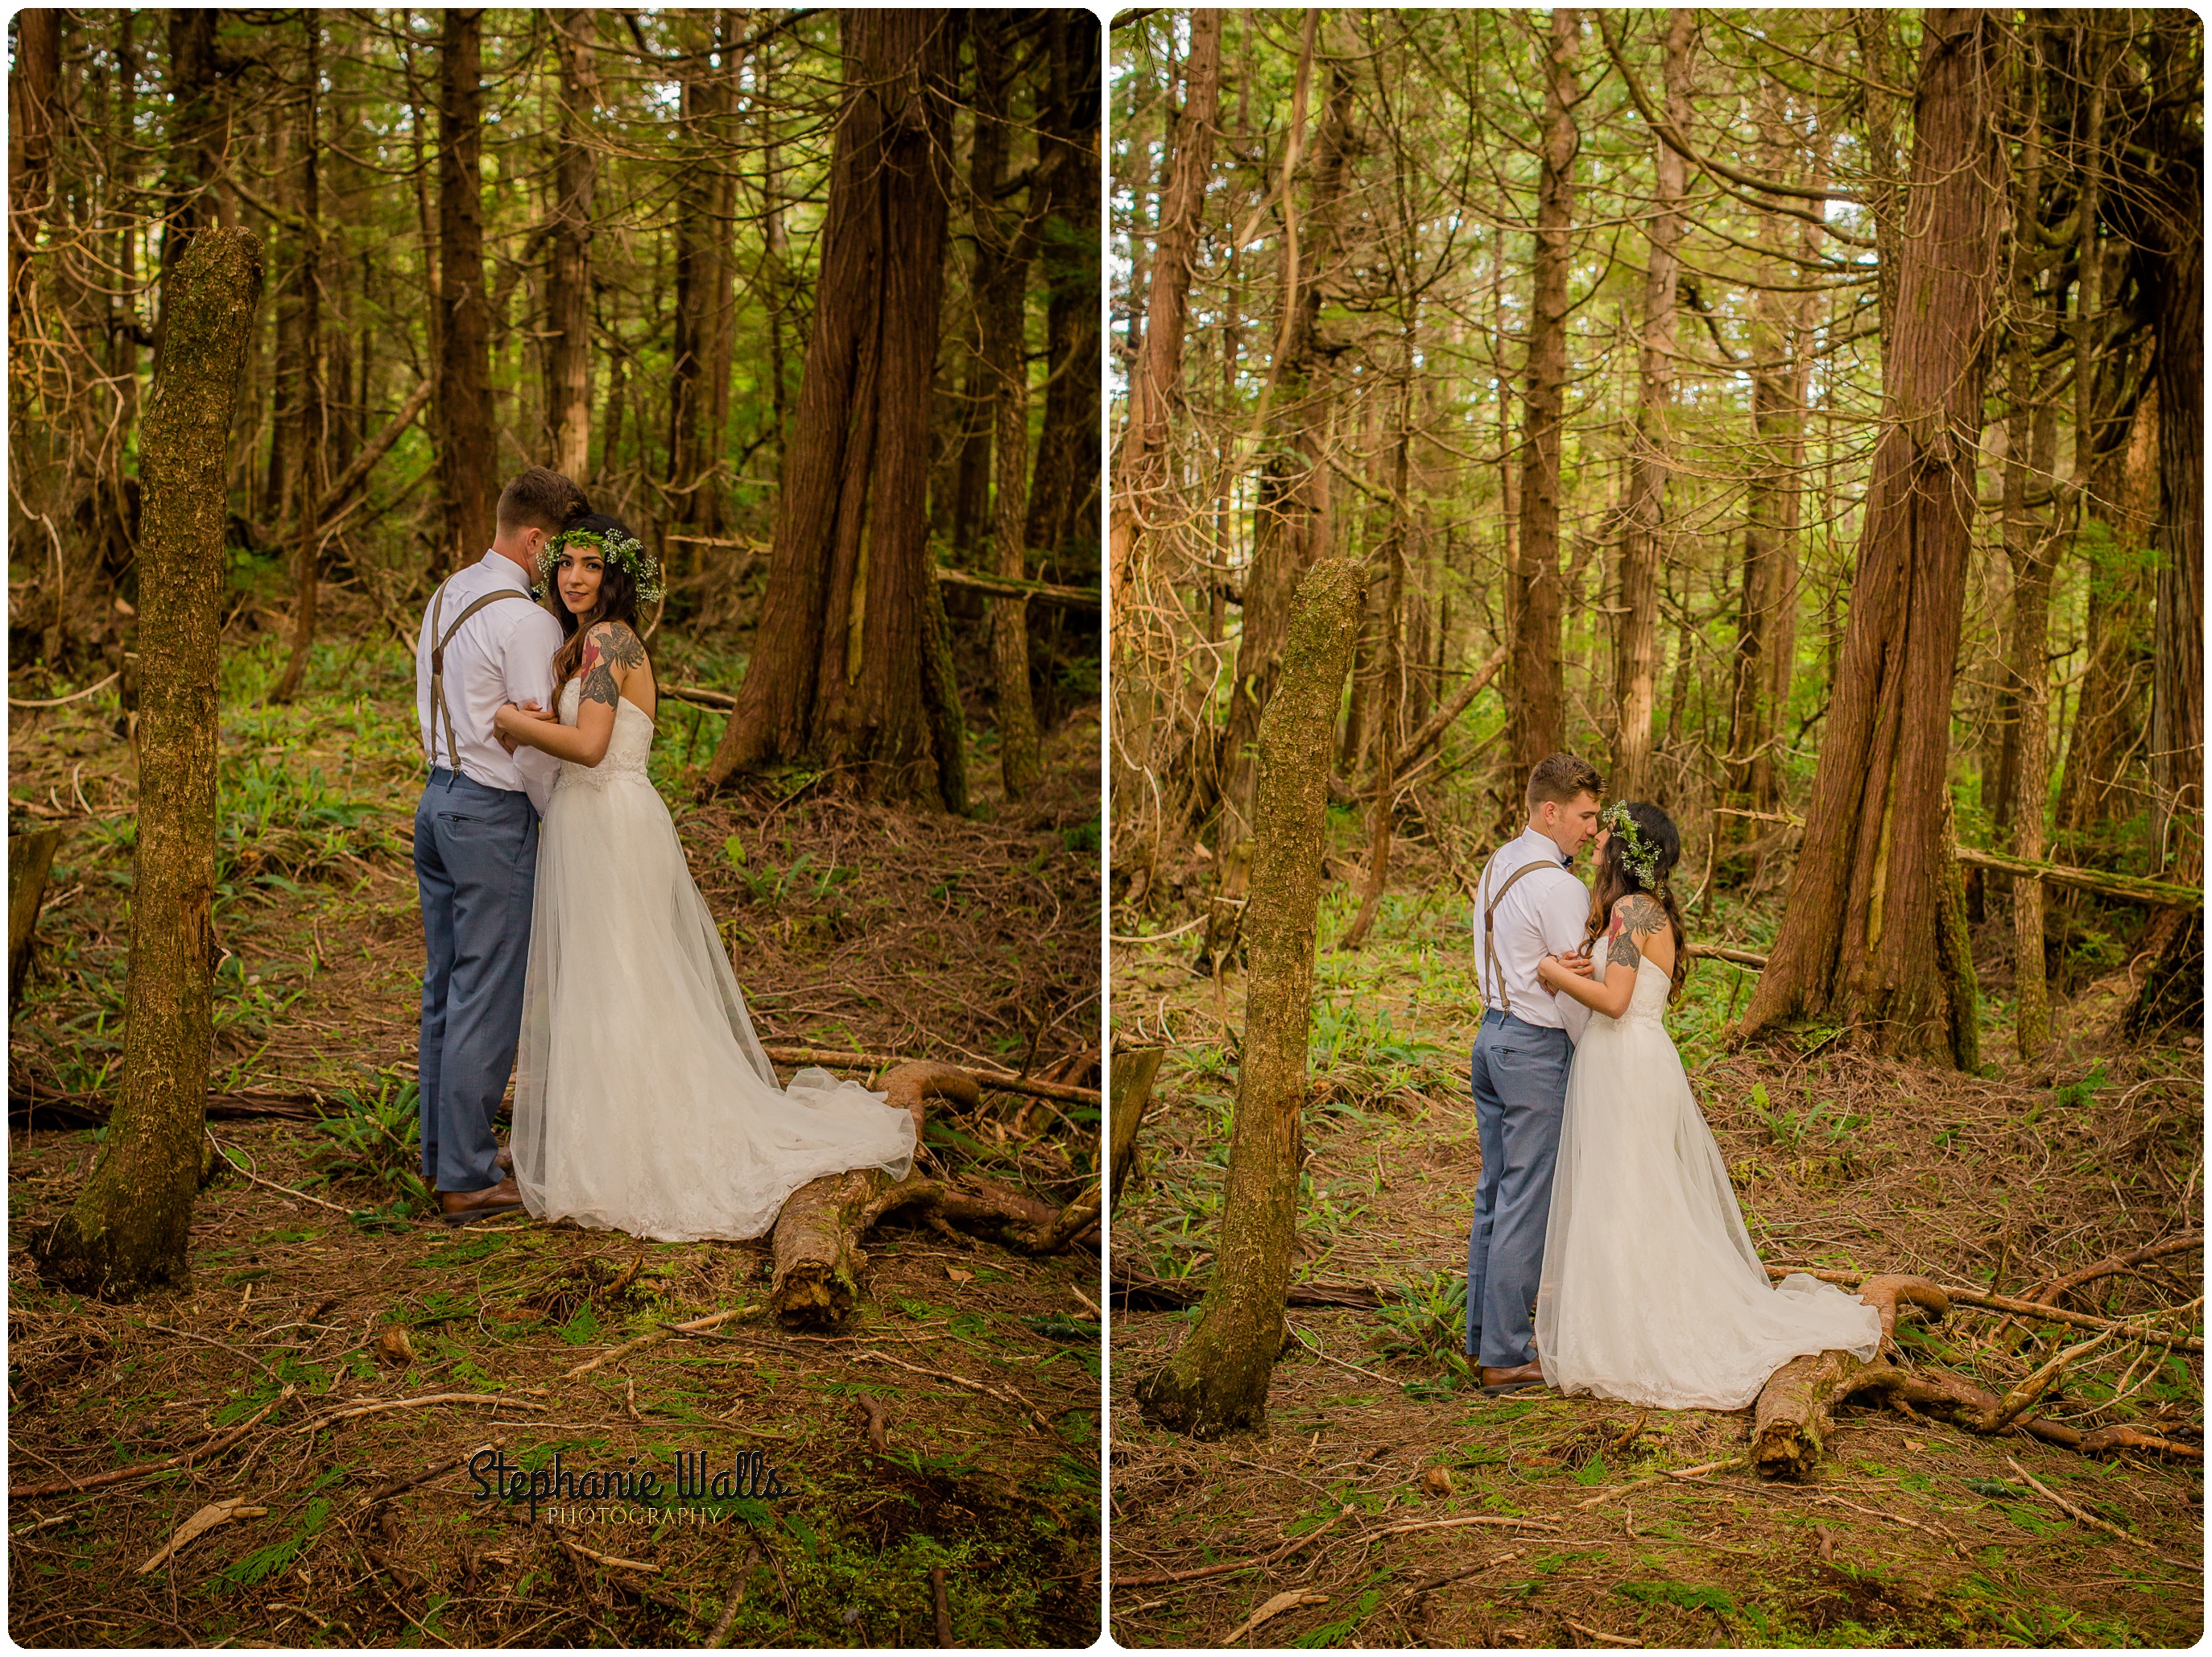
(853, 927)
(1409, 1509)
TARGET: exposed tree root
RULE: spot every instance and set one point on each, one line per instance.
(1795, 1410)
(817, 1238)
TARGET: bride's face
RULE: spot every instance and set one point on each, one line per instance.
(578, 577)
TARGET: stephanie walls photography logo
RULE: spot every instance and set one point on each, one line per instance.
(570, 1495)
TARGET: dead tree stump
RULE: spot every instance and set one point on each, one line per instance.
(1796, 1407)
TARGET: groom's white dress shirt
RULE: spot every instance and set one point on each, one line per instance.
(502, 654)
(1543, 914)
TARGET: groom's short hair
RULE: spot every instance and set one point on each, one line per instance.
(543, 498)
(1561, 777)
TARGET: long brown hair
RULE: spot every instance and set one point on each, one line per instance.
(617, 603)
(1613, 880)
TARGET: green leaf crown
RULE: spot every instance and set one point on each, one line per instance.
(1640, 855)
(621, 551)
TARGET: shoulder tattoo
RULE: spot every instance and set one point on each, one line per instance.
(622, 647)
(1623, 952)
(1641, 914)
(598, 684)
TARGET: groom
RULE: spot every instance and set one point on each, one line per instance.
(476, 839)
(1528, 904)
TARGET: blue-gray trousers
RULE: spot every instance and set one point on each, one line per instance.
(1519, 1075)
(475, 866)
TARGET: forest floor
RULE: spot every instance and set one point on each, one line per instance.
(853, 927)
(1536, 1531)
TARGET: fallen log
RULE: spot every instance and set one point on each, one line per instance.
(1795, 1410)
(2032, 1309)
(35, 1105)
(2115, 1264)
(817, 1238)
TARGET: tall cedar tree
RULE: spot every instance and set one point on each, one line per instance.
(1859, 939)
(836, 674)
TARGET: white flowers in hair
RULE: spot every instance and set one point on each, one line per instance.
(621, 550)
(1639, 853)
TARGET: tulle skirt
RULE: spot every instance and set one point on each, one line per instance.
(643, 1102)
(1652, 1291)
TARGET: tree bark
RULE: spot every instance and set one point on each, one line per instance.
(569, 274)
(465, 456)
(309, 471)
(1636, 658)
(1218, 1380)
(1857, 945)
(835, 673)
(1066, 480)
(1005, 242)
(1539, 683)
(1290, 519)
(128, 1229)
(1392, 677)
(698, 365)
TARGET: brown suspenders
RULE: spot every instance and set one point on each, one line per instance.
(1494, 974)
(438, 668)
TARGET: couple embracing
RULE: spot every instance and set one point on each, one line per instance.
(566, 941)
(1608, 1254)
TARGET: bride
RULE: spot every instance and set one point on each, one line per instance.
(1651, 1292)
(642, 1099)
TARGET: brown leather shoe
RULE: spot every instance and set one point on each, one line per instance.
(1496, 1383)
(459, 1207)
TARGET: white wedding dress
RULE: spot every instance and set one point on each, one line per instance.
(1651, 1292)
(642, 1100)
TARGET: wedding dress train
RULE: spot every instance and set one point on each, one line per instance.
(643, 1102)
(1652, 1291)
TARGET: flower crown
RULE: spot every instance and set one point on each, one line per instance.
(1641, 856)
(616, 549)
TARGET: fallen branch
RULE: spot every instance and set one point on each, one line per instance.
(1750, 958)
(67, 1486)
(1697, 1471)
(33, 1104)
(1600, 1635)
(1985, 1302)
(435, 1470)
(316, 1422)
(1002, 1081)
(2114, 1265)
(1290, 1600)
(1009, 1397)
(1160, 1579)
(215, 1512)
(1006, 586)
(656, 1337)
(2088, 1519)
(1140, 1291)
(240, 1167)
(609, 1560)
(63, 702)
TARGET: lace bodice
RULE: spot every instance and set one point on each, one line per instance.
(1647, 1004)
(626, 750)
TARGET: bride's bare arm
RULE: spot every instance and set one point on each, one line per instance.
(1639, 927)
(611, 654)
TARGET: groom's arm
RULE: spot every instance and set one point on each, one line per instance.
(526, 669)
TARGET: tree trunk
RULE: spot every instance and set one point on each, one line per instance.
(1066, 476)
(465, 456)
(310, 449)
(128, 1229)
(569, 274)
(1857, 944)
(1291, 522)
(698, 380)
(1539, 686)
(1393, 681)
(1005, 241)
(1636, 659)
(1218, 1380)
(835, 673)
(1141, 473)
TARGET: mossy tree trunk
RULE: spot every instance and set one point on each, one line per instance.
(128, 1228)
(1218, 1380)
